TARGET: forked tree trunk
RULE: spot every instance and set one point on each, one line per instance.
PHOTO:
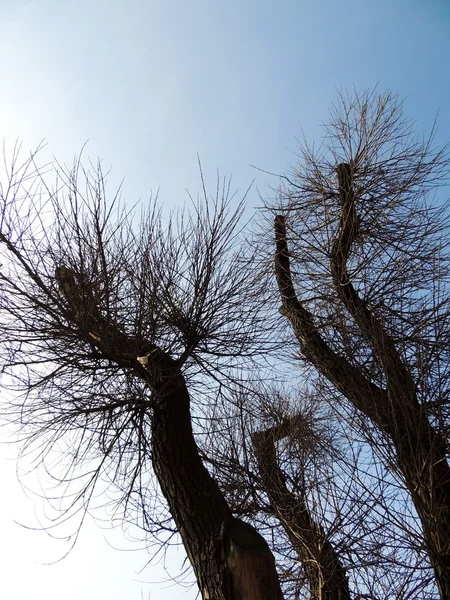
(420, 450)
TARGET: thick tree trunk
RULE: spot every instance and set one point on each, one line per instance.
(226, 567)
(326, 575)
(195, 502)
(420, 450)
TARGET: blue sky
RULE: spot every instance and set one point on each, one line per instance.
(150, 85)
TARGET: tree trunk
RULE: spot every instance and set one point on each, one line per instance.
(195, 502)
(225, 568)
(421, 450)
(325, 573)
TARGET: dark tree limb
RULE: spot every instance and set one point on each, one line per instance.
(421, 450)
(325, 573)
(348, 379)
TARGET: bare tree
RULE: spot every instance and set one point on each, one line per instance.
(143, 344)
(110, 331)
(362, 269)
(247, 464)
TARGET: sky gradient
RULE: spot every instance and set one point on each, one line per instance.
(150, 85)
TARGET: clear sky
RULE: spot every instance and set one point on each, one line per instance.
(151, 84)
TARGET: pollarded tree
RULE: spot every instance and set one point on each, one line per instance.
(362, 270)
(130, 345)
(110, 331)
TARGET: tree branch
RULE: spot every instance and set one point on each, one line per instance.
(348, 379)
(324, 571)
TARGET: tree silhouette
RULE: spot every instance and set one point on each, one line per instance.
(363, 282)
(106, 328)
(288, 391)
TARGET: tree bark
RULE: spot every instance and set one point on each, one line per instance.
(195, 502)
(224, 568)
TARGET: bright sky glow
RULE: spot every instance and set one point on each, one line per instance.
(151, 84)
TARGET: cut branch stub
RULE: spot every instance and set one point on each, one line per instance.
(251, 563)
